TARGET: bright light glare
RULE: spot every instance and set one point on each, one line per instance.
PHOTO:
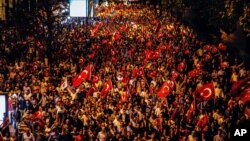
(2, 107)
(78, 8)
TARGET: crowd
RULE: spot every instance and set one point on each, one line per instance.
(148, 78)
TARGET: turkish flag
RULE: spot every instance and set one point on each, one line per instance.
(164, 90)
(175, 75)
(117, 36)
(202, 121)
(245, 96)
(190, 110)
(206, 92)
(149, 54)
(90, 92)
(247, 113)
(156, 54)
(181, 66)
(95, 79)
(174, 113)
(240, 85)
(138, 72)
(83, 76)
(106, 88)
(37, 115)
(193, 73)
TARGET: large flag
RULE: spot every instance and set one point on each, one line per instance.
(164, 90)
(106, 88)
(245, 96)
(206, 92)
(83, 76)
(239, 86)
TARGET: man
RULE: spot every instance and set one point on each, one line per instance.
(219, 136)
(102, 136)
(5, 125)
(28, 136)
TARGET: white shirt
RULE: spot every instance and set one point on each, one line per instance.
(28, 138)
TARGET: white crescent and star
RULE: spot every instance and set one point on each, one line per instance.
(166, 88)
(209, 92)
(107, 87)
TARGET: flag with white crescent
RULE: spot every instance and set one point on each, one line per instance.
(83, 76)
(164, 90)
(206, 92)
(202, 121)
(106, 87)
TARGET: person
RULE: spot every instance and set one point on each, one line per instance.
(126, 41)
(1, 137)
(219, 136)
(102, 135)
(28, 136)
(5, 125)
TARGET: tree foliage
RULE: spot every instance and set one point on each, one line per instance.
(216, 14)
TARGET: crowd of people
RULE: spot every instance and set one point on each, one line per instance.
(136, 52)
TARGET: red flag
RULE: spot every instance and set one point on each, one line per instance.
(202, 121)
(164, 90)
(174, 113)
(83, 76)
(156, 54)
(106, 88)
(158, 27)
(149, 54)
(193, 73)
(245, 96)
(90, 92)
(206, 92)
(240, 85)
(175, 75)
(95, 79)
(38, 115)
(138, 72)
(117, 36)
(181, 66)
(190, 110)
